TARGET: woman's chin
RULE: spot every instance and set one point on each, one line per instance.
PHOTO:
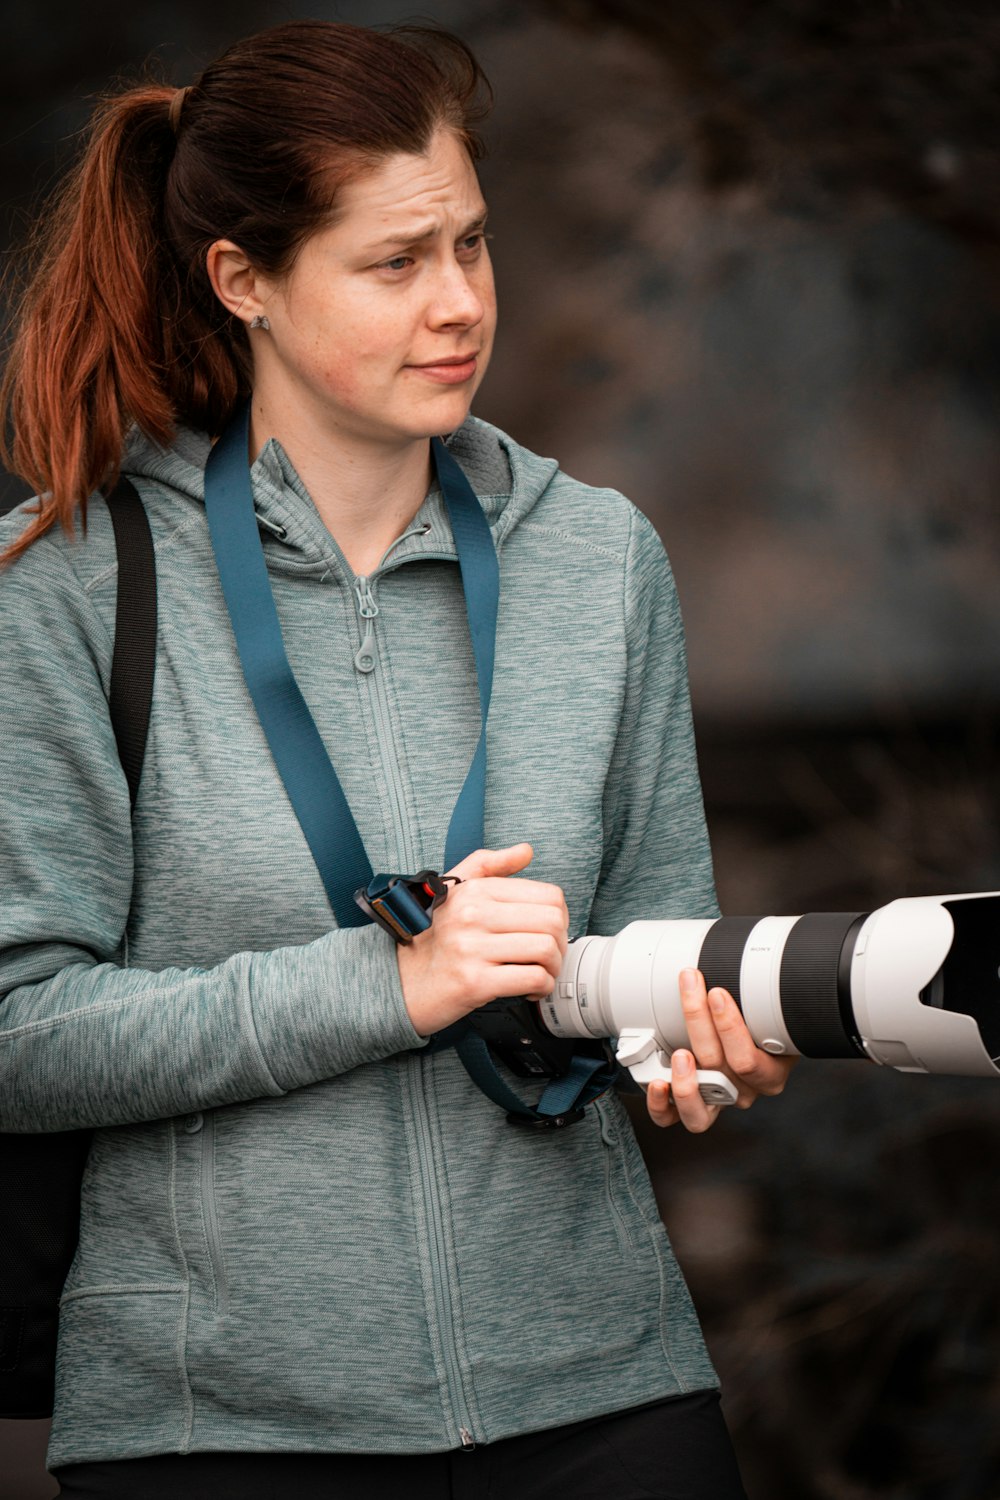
(443, 415)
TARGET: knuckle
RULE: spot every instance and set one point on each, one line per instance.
(730, 1024)
(466, 944)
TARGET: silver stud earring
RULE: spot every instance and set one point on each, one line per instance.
(259, 321)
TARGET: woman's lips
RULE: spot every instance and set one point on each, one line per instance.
(449, 373)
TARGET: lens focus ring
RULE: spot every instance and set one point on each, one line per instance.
(722, 953)
(814, 1009)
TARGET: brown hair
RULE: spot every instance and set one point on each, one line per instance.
(118, 323)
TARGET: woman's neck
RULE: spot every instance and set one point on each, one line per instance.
(366, 493)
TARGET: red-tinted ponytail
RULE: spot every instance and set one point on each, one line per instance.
(118, 324)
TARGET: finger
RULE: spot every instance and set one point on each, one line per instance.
(695, 1114)
(749, 1064)
(661, 1107)
(517, 979)
(536, 892)
(516, 916)
(523, 948)
(703, 1037)
(482, 862)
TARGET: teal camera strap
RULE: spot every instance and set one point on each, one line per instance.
(300, 756)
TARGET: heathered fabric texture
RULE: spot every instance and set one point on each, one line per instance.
(300, 1231)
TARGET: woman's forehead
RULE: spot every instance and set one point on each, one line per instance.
(413, 196)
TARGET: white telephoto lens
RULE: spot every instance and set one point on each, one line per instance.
(913, 986)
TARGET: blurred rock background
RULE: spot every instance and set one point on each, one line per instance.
(749, 264)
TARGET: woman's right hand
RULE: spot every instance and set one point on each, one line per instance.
(492, 937)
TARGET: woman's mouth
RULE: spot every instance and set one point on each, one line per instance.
(449, 371)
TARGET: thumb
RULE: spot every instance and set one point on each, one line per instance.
(493, 862)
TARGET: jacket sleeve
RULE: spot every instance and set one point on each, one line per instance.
(657, 862)
(84, 1041)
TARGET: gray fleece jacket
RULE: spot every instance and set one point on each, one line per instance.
(300, 1231)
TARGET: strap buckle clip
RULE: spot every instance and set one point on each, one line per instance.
(403, 905)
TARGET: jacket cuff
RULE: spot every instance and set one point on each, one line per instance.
(329, 1005)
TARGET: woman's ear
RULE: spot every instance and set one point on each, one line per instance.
(237, 285)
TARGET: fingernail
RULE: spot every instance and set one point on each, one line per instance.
(689, 978)
(717, 1001)
(681, 1063)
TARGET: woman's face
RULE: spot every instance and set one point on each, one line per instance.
(366, 328)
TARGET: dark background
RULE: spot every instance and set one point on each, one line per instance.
(748, 257)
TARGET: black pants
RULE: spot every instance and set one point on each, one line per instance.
(673, 1450)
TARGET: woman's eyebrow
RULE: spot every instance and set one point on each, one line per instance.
(417, 235)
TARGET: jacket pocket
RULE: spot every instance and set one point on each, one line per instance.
(119, 1375)
(210, 1213)
(622, 1204)
(204, 1125)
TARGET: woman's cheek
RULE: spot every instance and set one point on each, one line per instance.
(336, 371)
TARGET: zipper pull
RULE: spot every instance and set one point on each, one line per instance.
(468, 1441)
(367, 608)
(364, 657)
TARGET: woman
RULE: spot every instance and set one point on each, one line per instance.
(314, 1258)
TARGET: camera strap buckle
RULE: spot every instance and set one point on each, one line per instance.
(583, 1079)
(403, 905)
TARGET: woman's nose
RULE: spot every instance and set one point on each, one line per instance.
(456, 299)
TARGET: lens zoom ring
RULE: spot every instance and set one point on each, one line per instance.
(810, 997)
(722, 953)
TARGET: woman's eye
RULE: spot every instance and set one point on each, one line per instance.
(474, 242)
(469, 248)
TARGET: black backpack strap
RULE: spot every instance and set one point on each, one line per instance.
(134, 661)
(40, 1174)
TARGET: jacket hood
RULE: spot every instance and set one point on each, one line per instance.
(508, 480)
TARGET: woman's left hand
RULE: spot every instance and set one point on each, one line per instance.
(719, 1040)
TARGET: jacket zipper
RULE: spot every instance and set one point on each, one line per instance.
(433, 1208)
(364, 657)
(390, 771)
(364, 660)
(210, 1212)
(434, 1215)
